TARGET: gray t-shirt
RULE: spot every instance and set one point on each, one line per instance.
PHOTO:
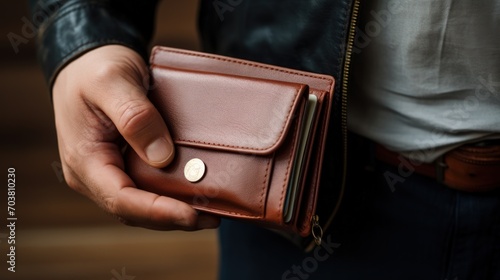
(427, 75)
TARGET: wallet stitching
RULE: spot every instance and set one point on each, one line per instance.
(180, 141)
(311, 206)
(158, 49)
(263, 192)
(287, 120)
(264, 185)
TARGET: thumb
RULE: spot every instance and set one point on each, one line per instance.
(139, 122)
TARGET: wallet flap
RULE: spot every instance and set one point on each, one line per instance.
(186, 59)
(239, 130)
(225, 112)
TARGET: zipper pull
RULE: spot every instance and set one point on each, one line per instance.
(316, 230)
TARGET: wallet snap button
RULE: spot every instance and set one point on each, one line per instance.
(194, 170)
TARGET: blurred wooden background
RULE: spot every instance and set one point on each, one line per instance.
(60, 234)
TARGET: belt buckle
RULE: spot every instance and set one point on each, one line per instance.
(440, 166)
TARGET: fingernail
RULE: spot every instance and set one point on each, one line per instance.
(158, 151)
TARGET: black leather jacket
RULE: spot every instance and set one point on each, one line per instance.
(308, 35)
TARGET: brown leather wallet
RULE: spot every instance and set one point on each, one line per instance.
(249, 137)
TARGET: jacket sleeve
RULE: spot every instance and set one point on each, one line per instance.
(68, 29)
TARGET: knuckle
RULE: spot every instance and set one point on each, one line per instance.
(109, 203)
(67, 161)
(71, 179)
(72, 170)
(134, 116)
(112, 206)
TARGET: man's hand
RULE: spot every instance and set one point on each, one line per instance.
(100, 99)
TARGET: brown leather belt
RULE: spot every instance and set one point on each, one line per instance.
(471, 168)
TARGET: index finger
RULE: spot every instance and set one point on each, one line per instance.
(135, 207)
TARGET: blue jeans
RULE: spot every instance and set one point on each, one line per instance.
(415, 229)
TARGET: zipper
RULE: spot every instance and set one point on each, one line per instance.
(316, 229)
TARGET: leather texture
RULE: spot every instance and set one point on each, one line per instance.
(68, 29)
(468, 168)
(304, 35)
(472, 168)
(242, 120)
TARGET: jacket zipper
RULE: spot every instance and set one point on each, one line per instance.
(316, 229)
